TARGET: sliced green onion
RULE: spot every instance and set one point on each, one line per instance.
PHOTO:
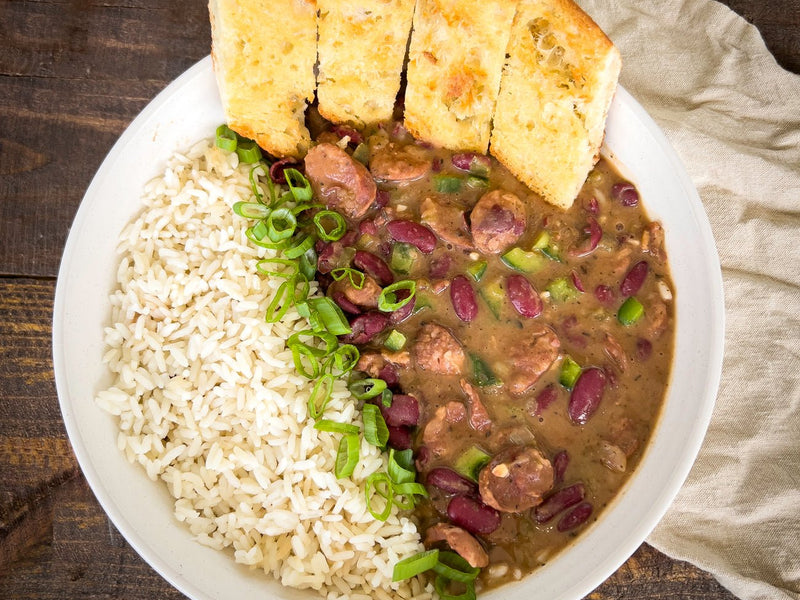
(379, 484)
(398, 468)
(477, 269)
(253, 177)
(298, 185)
(414, 565)
(440, 584)
(470, 463)
(356, 277)
(387, 397)
(281, 225)
(630, 311)
(226, 138)
(447, 184)
(336, 427)
(259, 230)
(280, 303)
(304, 206)
(320, 396)
(570, 371)
(300, 248)
(455, 568)
(562, 290)
(304, 286)
(395, 341)
(482, 373)
(404, 494)
(330, 341)
(251, 210)
(375, 430)
(261, 267)
(302, 354)
(344, 358)
(248, 151)
(347, 456)
(388, 302)
(330, 315)
(256, 235)
(339, 229)
(364, 389)
(307, 263)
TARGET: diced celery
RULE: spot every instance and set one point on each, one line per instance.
(395, 341)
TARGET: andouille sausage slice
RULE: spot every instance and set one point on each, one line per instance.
(341, 182)
(516, 479)
(497, 221)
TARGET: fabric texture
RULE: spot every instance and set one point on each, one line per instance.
(733, 115)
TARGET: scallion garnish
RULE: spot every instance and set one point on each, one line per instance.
(375, 430)
(281, 225)
(330, 315)
(248, 151)
(347, 456)
(344, 358)
(387, 397)
(454, 567)
(414, 565)
(355, 276)
(298, 185)
(330, 341)
(305, 360)
(320, 396)
(364, 389)
(398, 468)
(379, 484)
(388, 300)
(280, 302)
(339, 227)
(336, 427)
(440, 584)
(404, 494)
(253, 177)
(251, 210)
(226, 138)
(256, 235)
(262, 267)
(303, 246)
(307, 263)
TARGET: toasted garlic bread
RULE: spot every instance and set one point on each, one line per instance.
(361, 50)
(557, 86)
(454, 66)
(264, 53)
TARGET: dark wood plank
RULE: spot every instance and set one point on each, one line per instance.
(779, 24)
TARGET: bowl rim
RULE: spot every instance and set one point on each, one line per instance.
(605, 565)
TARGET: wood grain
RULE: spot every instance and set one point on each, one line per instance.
(73, 74)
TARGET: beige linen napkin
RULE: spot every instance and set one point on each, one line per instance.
(733, 115)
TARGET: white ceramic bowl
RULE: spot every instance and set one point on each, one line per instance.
(190, 109)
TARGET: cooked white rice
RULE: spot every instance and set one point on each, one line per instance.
(209, 402)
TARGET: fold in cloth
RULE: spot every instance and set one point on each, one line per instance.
(733, 116)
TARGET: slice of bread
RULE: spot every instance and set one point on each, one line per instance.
(454, 66)
(264, 53)
(361, 50)
(557, 86)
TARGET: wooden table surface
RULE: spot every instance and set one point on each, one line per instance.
(73, 74)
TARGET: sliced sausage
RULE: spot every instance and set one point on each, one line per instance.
(497, 221)
(435, 434)
(395, 162)
(438, 351)
(516, 479)
(615, 351)
(478, 415)
(365, 297)
(446, 221)
(339, 181)
(460, 541)
(530, 357)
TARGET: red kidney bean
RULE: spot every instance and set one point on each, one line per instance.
(436, 165)
(643, 349)
(604, 294)
(559, 501)
(368, 228)
(439, 267)
(451, 482)
(399, 437)
(381, 199)
(342, 131)
(576, 281)
(412, 233)
(523, 296)
(634, 279)
(422, 457)
(545, 398)
(560, 464)
(278, 167)
(594, 234)
(463, 297)
(586, 395)
(349, 238)
(465, 160)
(473, 515)
(388, 373)
(592, 206)
(404, 410)
(402, 313)
(577, 516)
(373, 265)
(625, 193)
(365, 327)
(345, 304)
